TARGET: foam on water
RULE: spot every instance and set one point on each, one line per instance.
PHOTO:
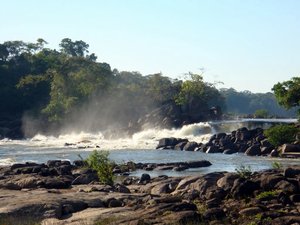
(146, 139)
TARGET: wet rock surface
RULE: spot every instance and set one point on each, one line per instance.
(62, 195)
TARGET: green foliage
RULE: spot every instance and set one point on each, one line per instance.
(267, 195)
(288, 92)
(261, 113)
(244, 171)
(196, 95)
(190, 89)
(281, 134)
(99, 161)
(246, 103)
(276, 165)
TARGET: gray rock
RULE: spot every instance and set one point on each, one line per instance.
(145, 178)
(213, 149)
(254, 150)
(214, 213)
(251, 211)
(190, 146)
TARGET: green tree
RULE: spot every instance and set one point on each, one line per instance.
(261, 113)
(288, 93)
(281, 134)
(74, 48)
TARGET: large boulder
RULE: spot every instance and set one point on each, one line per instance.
(190, 146)
(253, 150)
(169, 142)
(290, 148)
(213, 149)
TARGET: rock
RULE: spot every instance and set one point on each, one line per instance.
(230, 151)
(266, 143)
(10, 186)
(198, 164)
(85, 179)
(112, 203)
(169, 142)
(145, 178)
(266, 150)
(79, 163)
(28, 182)
(213, 149)
(295, 198)
(121, 188)
(286, 187)
(184, 206)
(57, 182)
(268, 181)
(57, 163)
(165, 186)
(22, 165)
(180, 168)
(244, 188)
(254, 150)
(184, 217)
(286, 220)
(289, 148)
(291, 172)
(180, 145)
(190, 146)
(214, 213)
(220, 135)
(213, 203)
(226, 182)
(165, 167)
(274, 153)
(251, 211)
(64, 170)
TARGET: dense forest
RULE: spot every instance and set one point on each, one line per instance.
(49, 90)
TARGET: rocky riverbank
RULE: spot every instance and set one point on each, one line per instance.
(63, 193)
(250, 142)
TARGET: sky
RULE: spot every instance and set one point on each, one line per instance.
(245, 44)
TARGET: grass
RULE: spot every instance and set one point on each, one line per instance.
(266, 195)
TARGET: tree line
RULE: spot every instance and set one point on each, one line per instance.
(55, 86)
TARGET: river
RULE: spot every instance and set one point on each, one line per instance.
(141, 147)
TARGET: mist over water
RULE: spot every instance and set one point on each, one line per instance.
(139, 147)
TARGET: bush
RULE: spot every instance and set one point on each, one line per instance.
(99, 161)
(244, 171)
(281, 134)
(267, 195)
(276, 165)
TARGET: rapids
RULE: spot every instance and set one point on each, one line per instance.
(140, 147)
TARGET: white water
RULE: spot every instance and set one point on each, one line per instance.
(139, 148)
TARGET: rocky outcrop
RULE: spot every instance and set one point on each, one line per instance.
(250, 142)
(266, 197)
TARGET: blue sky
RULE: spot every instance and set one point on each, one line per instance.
(246, 44)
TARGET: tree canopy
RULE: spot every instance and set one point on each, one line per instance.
(55, 86)
(288, 93)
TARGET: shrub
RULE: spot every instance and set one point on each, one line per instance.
(261, 113)
(244, 171)
(267, 195)
(99, 161)
(281, 134)
(276, 165)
